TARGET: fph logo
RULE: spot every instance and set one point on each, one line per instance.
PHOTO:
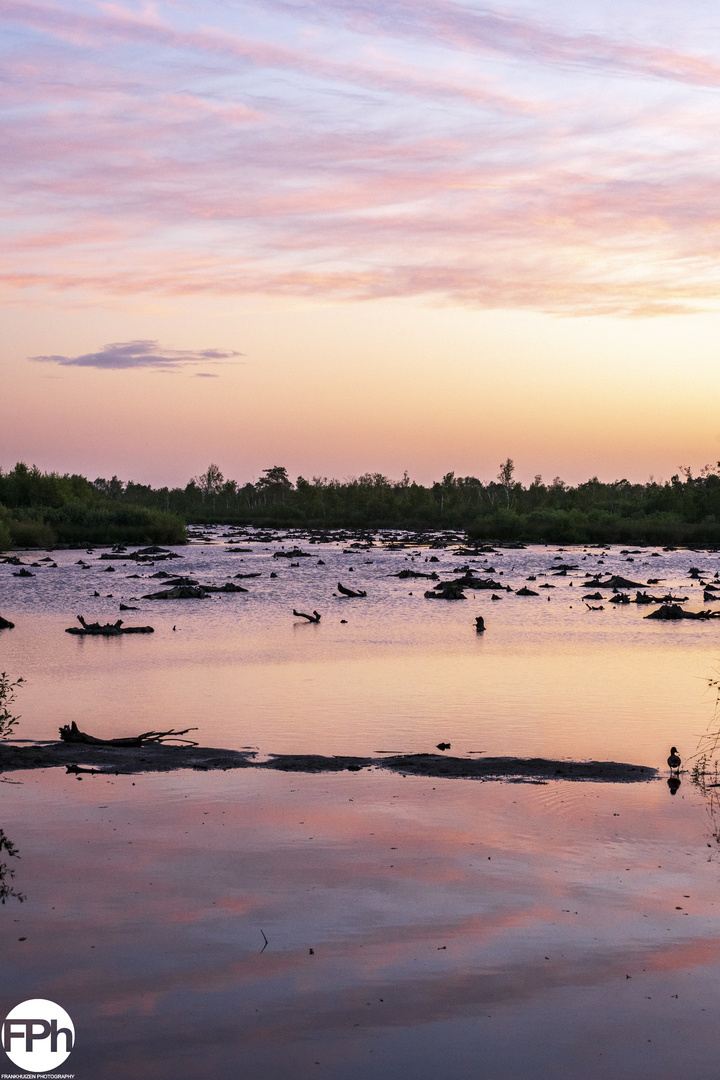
(37, 1035)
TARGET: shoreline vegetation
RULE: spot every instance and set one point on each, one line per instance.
(48, 510)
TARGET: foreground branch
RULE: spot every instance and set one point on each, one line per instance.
(72, 734)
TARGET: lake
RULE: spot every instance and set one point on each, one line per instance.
(264, 924)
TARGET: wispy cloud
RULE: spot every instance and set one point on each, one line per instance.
(353, 149)
(467, 28)
(141, 354)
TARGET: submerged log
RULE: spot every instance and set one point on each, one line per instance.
(179, 592)
(145, 555)
(314, 618)
(227, 587)
(414, 574)
(171, 580)
(672, 612)
(107, 629)
(648, 598)
(469, 581)
(351, 593)
(448, 591)
(614, 582)
(71, 733)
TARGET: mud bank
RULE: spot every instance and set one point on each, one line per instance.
(166, 758)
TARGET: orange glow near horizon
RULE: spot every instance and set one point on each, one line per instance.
(382, 386)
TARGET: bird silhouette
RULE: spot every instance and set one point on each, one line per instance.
(674, 761)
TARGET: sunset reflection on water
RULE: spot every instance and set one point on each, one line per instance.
(445, 918)
(458, 928)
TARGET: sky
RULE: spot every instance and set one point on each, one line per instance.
(378, 235)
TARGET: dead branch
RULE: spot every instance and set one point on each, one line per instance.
(107, 629)
(72, 734)
(352, 593)
(314, 618)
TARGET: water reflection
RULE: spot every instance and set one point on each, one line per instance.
(366, 924)
(7, 872)
(424, 923)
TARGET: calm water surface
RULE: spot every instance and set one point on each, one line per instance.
(458, 929)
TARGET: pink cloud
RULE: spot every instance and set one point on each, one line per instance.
(121, 26)
(466, 28)
(234, 164)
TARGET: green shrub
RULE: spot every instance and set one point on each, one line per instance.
(31, 534)
(113, 523)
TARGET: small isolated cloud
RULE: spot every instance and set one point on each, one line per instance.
(142, 354)
(206, 375)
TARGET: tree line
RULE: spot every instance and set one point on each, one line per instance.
(56, 509)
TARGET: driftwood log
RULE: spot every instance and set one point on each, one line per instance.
(351, 593)
(107, 629)
(71, 733)
(315, 617)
